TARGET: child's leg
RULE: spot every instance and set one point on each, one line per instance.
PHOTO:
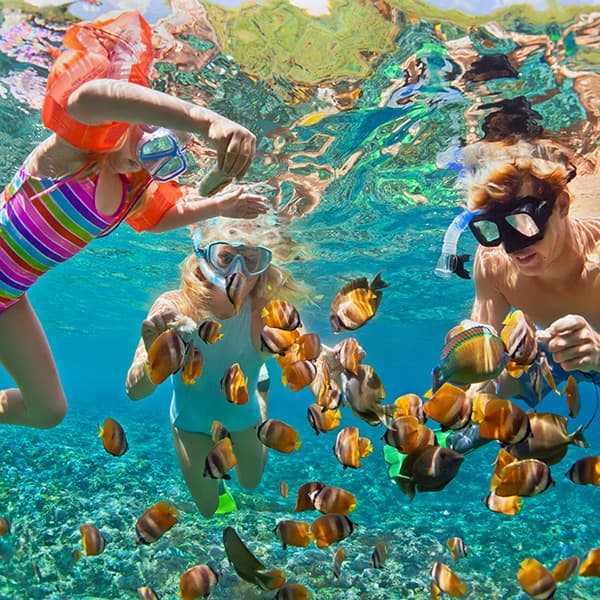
(25, 353)
(251, 456)
(192, 450)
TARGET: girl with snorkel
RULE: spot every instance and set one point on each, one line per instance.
(113, 156)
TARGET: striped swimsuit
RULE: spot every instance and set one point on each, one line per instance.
(38, 232)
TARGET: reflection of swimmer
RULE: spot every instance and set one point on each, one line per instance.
(113, 156)
(223, 249)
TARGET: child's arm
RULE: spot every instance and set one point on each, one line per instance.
(102, 100)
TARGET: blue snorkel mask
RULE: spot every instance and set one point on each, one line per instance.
(160, 153)
(449, 261)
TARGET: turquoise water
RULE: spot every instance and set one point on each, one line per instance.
(371, 138)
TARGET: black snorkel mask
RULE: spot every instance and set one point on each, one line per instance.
(516, 225)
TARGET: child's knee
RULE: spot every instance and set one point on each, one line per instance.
(52, 416)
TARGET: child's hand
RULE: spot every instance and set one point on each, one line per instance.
(235, 202)
(152, 328)
(235, 147)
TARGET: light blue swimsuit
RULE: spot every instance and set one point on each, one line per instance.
(195, 407)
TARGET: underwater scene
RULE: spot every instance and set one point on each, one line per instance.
(360, 109)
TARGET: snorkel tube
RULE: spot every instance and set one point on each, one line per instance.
(449, 262)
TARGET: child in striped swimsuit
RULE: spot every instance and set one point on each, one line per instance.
(65, 196)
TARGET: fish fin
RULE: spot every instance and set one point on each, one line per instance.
(438, 379)
(406, 485)
(284, 380)
(578, 439)
(101, 430)
(226, 476)
(428, 393)
(297, 445)
(378, 283)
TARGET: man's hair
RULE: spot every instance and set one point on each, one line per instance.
(494, 170)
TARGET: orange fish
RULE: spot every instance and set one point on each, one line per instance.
(480, 401)
(218, 431)
(450, 407)
(281, 314)
(328, 529)
(528, 477)
(4, 526)
(277, 341)
(585, 471)
(457, 547)
(292, 591)
(502, 459)
(349, 353)
(293, 533)
(565, 569)
(236, 286)
(234, 385)
(350, 448)
(165, 356)
(329, 394)
(572, 395)
(304, 500)
(113, 437)
(504, 421)
(536, 580)
(299, 374)
(308, 346)
(356, 303)
(338, 560)
(198, 582)
(193, 363)
(403, 434)
(445, 578)
(210, 331)
(364, 394)
(321, 420)
(92, 539)
(147, 593)
(154, 522)
(278, 435)
(330, 499)
(379, 555)
(246, 565)
(590, 567)
(518, 335)
(409, 405)
(507, 505)
(219, 460)
(284, 488)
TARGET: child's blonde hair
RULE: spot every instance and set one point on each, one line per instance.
(495, 170)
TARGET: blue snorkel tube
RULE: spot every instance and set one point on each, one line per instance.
(449, 261)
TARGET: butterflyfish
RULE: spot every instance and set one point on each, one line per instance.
(457, 547)
(154, 522)
(113, 437)
(192, 365)
(480, 401)
(210, 331)
(349, 449)
(450, 406)
(528, 477)
(293, 591)
(281, 314)
(246, 565)
(219, 460)
(549, 439)
(331, 499)
(277, 341)
(409, 405)
(403, 434)
(379, 555)
(572, 395)
(92, 539)
(503, 458)
(4, 526)
(236, 286)
(536, 580)
(198, 582)
(518, 335)
(356, 303)
(507, 505)
(428, 469)
(299, 374)
(329, 394)
(304, 500)
(566, 568)
(147, 593)
(234, 385)
(279, 436)
(293, 533)
(364, 394)
(338, 560)
(349, 354)
(165, 356)
(504, 421)
(284, 490)
(218, 431)
(585, 471)
(321, 420)
(590, 567)
(474, 355)
(328, 529)
(308, 346)
(447, 580)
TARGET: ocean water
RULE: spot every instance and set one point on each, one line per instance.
(359, 113)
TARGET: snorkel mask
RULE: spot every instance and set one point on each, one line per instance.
(160, 153)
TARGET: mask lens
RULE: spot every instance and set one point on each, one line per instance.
(255, 259)
(523, 223)
(168, 169)
(486, 232)
(154, 146)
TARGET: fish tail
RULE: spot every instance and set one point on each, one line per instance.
(378, 283)
(578, 439)
(100, 430)
(297, 445)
